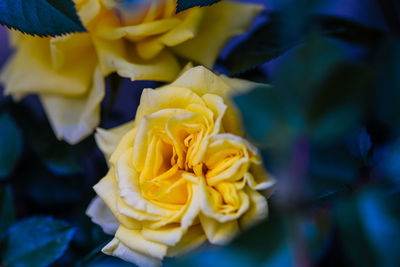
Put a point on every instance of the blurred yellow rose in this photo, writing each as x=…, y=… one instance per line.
x=68, y=72
x=180, y=173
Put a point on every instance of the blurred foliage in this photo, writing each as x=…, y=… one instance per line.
x=10, y=143
x=328, y=127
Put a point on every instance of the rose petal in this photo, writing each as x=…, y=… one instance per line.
x=219, y=233
x=108, y=191
x=74, y=118
x=101, y=215
x=118, y=249
x=221, y=22
x=134, y=240
x=108, y=140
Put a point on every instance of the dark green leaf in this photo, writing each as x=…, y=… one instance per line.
x=7, y=212
x=186, y=4
x=271, y=40
x=41, y=17
x=10, y=145
x=37, y=241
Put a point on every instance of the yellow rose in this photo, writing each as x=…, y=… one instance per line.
x=68, y=72
x=180, y=173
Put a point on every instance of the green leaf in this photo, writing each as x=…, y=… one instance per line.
x=270, y=40
x=186, y=4
x=10, y=145
x=37, y=241
x=41, y=17
x=7, y=212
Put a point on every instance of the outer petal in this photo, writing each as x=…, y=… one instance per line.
x=168, y=97
x=219, y=233
x=118, y=249
x=120, y=56
x=221, y=22
x=208, y=205
x=186, y=30
x=258, y=209
x=33, y=61
x=134, y=240
x=108, y=140
x=129, y=191
x=258, y=178
x=74, y=118
x=202, y=81
x=108, y=191
x=101, y=215
x=192, y=239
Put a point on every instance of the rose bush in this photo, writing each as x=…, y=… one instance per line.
x=181, y=173
x=68, y=72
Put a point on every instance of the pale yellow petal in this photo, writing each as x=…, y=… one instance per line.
x=221, y=22
x=120, y=56
x=259, y=179
x=70, y=49
x=108, y=140
x=219, y=233
x=186, y=30
x=117, y=249
x=101, y=215
x=88, y=10
x=168, y=97
x=74, y=118
x=186, y=217
x=217, y=105
x=134, y=240
x=258, y=209
x=193, y=238
x=33, y=61
x=169, y=235
x=210, y=208
x=108, y=191
x=149, y=48
x=129, y=190
x=202, y=81
x=125, y=143
x=148, y=125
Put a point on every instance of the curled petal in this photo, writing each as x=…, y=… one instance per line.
x=117, y=249
x=101, y=215
x=74, y=118
x=219, y=233
x=108, y=140
x=220, y=23
x=134, y=240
